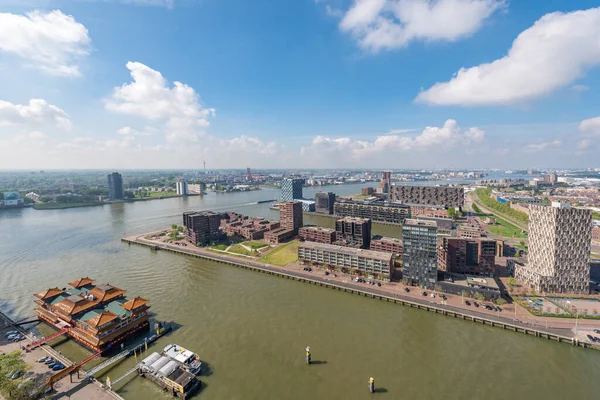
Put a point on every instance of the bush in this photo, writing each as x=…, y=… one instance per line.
x=500, y=301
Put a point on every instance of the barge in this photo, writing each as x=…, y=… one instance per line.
x=173, y=376
x=96, y=316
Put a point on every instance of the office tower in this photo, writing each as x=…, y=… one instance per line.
x=419, y=258
x=290, y=215
x=115, y=186
x=559, y=249
x=467, y=256
x=249, y=174
x=324, y=202
x=291, y=189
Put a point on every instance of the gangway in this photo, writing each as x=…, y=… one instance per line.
x=125, y=375
x=45, y=340
x=108, y=362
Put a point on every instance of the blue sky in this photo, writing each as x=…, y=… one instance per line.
x=303, y=83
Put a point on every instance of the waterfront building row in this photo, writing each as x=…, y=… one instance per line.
x=377, y=211
x=444, y=196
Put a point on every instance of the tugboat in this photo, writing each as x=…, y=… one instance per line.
x=188, y=359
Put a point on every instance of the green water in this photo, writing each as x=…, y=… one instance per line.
x=252, y=328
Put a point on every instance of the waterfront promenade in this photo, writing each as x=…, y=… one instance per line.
x=517, y=320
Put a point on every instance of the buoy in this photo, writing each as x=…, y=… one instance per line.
x=308, y=357
x=371, y=385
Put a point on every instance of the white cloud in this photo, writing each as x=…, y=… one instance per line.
x=129, y=131
x=150, y=96
x=159, y=3
x=390, y=24
x=551, y=54
x=590, y=127
x=579, y=88
x=37, y=113
x=432, y=139
x=542, y=146
x=50, y=41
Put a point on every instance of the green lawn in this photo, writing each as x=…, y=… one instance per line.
x=238, y=249
x=505, y=229
x=255, y=245
x=152, y=195
x=220, y=246
x=283, y=255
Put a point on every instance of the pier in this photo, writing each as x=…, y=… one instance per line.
x=555, y=334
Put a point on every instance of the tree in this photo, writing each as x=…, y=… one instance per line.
x=174, y=226
x=479, y=296
x=511, y=281
x=532, y=293
x=500, y=301
x=451, y=212
x=16, y=388
x=128, y=194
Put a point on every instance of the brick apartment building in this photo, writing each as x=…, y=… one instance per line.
x=317, y=234
x=377, y=211
x=444, y=196
x=387, y=245
x=290, y=221
x=249, y=228
x=203, y=227
x=353, y=232
x=324, y=202
x=467, y=256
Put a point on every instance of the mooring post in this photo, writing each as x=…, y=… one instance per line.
x=372, y=385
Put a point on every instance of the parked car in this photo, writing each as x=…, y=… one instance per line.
x=7, y=334
x=58, y=367
x=16, y=375
x=596, y=330
x=41, y=360
x=467, y=302
x=425, y=294
x=475, y=304
x=590, y=338
x=406, y=289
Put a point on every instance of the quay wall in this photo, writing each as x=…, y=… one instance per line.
x=498, y=323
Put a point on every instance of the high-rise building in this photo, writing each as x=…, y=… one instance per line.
x=324, y=202
x=182, y=188
x=353, y=232
x=467, y=256
x=249, y=177
x=428, y=195
x=290, y=215
x=419, y=258
x=291, y=189
x=386, y=181
x=203, y=227
x=115, y=186
x=559, y=249
x=196, y=188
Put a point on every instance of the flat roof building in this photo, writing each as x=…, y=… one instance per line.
x=349, y=260
x=317, y=234
x=387, y=245
x=203, y=227
x=324, y=202
x=419, y=260
x=467, y=256
x=115, y=186
x=377, y=211
x=290, y=215
x=445, y=196
x=353, y=232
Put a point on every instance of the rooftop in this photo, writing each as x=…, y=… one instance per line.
x=420, y=222
x=386, y=239
x=377, y=255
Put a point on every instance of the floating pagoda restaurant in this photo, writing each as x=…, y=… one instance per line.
x=96, y=316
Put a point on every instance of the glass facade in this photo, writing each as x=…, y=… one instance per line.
x=419, y=242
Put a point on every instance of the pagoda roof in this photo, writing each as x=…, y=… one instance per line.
x=134, y=303
x=47, y=294
x=105, y=292
x=102, y=318
x=74, y=304
x=81, y=282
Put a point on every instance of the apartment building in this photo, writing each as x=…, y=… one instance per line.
x=444, y=196
x=419, y=260
x=387, y=245
x=317, y=234
x=324, y=202
x=467, y=256
x=290, y=221
x=202, y=228
x=248, y=228
x=364, y=262
x=353, y=232
x=377, y=211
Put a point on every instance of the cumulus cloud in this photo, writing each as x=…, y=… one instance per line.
x=50, y=41
x=129, y=131
x=590, y=134
x=390, y=24
x=37, y=113
x=551, y=54
x=431, y=139
x=150, y=96
x=542, y=146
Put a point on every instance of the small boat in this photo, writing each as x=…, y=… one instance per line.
x=186, y=358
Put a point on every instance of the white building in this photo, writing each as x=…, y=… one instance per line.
x=182, y=188
x=194, y=188
x=11, y=199
x=559, y=249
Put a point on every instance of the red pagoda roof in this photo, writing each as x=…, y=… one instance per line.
x=49, y=293
x=134, y=303
x=81, y=282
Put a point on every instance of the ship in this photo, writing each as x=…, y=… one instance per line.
x=96, y=316
x=188, y=359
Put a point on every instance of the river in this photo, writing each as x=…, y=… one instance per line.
x=252, y=328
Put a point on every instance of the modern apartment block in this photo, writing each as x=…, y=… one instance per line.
x=428, y=195
x=387, y=245
x=559, y=249
x=386, y=181
x=353, y=232
x=115, y=186
x=324, y=202
x=203, y=227
x=596, y=233
x=196, y=188
x=290, y=221
x=377, y=211
x=291, y=189
x=419, y=244
x=469, y=232
x=317, y=234
x=467, y=256
x=248, y=228
x=349, y=260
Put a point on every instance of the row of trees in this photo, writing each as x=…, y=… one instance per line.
x=503, y=208
x=18, y=388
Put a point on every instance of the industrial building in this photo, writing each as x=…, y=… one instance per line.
x=559, y=249
x=182, y=188
x=348, y=260
x=377, y=211
x=419, y=260
x=444, y=196
x=467, y=256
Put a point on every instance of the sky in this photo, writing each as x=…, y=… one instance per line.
x=144, y=84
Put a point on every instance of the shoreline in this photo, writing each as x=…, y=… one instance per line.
x=64, y=206
x=561, y=335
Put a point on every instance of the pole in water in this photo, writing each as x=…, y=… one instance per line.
x=308, y=357
x=371, y=385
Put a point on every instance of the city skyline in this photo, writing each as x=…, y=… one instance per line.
x=317, y=83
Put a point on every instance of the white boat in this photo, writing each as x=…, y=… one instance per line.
x=188, y=359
